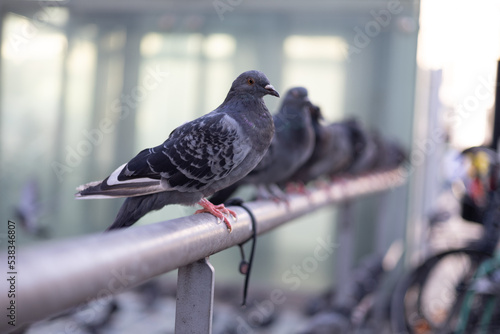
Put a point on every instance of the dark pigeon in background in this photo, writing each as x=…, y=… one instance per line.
x=198, y=158
x=390, y=154
x=364, y=149
x=292, y=145
x=343, y=153
x=332, y=152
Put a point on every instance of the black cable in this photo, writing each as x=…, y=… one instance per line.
x=245, y=267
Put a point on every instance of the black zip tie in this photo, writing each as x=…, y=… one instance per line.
x=245, y=266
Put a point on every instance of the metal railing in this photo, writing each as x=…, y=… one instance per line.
x=59, y=275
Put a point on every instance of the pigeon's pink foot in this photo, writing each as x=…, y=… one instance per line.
x=323, y=184
x=279, y=200
x=291, y=187
x=297, y=188
x=300, y=188
x=272, y=192
x=218, y=211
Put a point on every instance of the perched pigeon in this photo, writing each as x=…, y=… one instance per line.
x=390, y=154
x=332, y=150
x=198, y=158
x=364, y=147
x=343, y=153
x=292, y=145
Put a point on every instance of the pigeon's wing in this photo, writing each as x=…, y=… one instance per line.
x=195, y=155
x=201, y=153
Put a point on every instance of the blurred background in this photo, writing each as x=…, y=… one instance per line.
x=87, y=84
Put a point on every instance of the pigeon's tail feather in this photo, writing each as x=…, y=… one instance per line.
x=224, y=194
x=113, y=186
x=135, y=208
x=103, y=190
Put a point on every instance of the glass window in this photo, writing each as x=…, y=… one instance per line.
x=317, y=63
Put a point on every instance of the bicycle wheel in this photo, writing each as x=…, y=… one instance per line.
x=479, y=312
x=478, y=315
x=428, y=299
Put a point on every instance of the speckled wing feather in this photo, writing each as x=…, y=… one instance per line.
x=193, y=157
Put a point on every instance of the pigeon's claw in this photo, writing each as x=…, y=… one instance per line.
x=297, y=188
x=271, y=192
x=219, y=211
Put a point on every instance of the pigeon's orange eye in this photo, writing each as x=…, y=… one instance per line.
x=250, y=81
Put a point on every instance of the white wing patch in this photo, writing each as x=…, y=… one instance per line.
x=113, y=178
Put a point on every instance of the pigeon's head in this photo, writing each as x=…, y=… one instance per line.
x=297, y=95
x=255, y=83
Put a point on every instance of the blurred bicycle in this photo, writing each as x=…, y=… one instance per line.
x=451, y=275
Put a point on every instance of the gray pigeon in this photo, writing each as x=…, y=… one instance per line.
x=365, y=149
x=198, y=158
x=332, y=150
x=292, y=145
x=390, y=153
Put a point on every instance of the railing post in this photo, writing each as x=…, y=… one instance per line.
x=195, y=298
x=345, y=253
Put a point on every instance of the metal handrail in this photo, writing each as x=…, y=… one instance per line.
x=55, y=276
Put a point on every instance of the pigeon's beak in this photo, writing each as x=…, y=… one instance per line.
x=270, y=90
